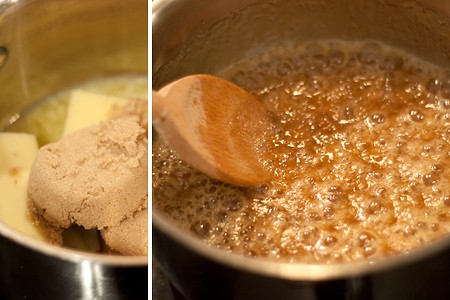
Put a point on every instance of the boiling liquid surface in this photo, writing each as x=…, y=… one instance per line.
x=360, y=153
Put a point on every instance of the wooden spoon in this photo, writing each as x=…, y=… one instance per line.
x=215, y=126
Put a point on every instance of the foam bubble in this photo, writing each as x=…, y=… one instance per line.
x=284, y=68
x=445, y=88
x=369, y=54
x=336, y=57
x=391, y=63
x=430, y=179
x=377, y=119
x=433, y=85
x=201, y=228
x=416, y=115
x=446, y=200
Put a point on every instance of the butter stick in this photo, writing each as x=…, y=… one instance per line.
x=17, y=152
x=86, y=109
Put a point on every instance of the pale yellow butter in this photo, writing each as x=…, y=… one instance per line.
x=86, y=109
x=17, y=152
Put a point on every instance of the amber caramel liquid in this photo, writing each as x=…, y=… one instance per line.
x=360, y=153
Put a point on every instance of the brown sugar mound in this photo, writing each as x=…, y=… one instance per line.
x=130, y=237
x=95, y=177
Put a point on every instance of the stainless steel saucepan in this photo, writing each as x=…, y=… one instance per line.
x=204, y=36
x=47, y=46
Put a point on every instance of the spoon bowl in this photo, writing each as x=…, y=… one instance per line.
x=215, y=126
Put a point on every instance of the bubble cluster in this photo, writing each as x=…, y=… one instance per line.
x=360, y=154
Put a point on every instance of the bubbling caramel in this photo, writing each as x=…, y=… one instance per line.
x=360, y=155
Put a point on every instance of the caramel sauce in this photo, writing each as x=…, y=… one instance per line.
x=360, y=156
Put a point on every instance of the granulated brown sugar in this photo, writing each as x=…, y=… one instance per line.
x=96, y=177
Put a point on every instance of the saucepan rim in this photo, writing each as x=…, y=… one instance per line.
x=68, y=254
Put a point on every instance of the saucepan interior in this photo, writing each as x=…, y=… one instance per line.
x=47, y=47
x=204, y=37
